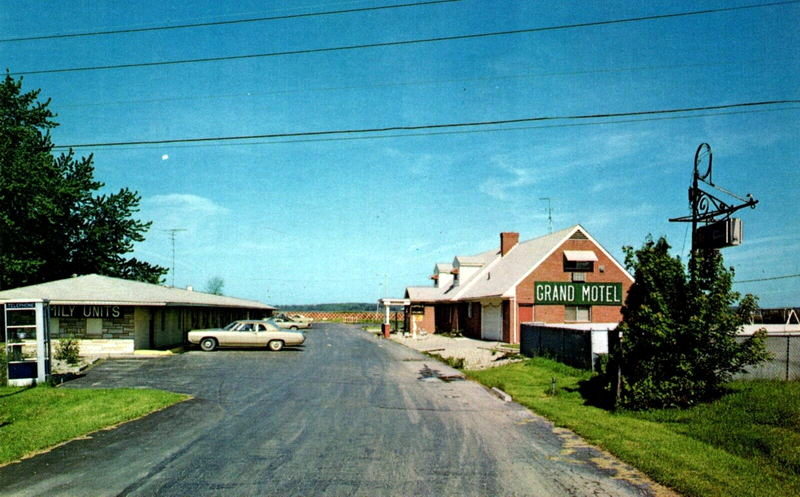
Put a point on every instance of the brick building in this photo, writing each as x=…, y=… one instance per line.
x=563, y=277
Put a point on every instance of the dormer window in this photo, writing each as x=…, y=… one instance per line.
x=579, y=261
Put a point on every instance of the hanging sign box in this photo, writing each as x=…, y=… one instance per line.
x=569, y=293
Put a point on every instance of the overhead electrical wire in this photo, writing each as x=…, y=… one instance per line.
x=456, y=132
x=454, y=125
x=773, y=278
x=221, y=23
x=405, y=42
x=426, y=82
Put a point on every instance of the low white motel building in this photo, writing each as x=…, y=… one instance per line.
x=117, y=316
x=565, y=277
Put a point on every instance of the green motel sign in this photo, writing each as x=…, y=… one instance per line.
x=568, y=293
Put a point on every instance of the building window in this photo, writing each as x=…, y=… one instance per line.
x=579, y=277
x=94, y=326
x=579, y=261
x=577, y=313
x=578, y=266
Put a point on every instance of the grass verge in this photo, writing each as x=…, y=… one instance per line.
x=745, y=444
x=35, y=419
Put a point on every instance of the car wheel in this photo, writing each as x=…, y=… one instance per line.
x=208, y=344
x=294, y=328
x=275, y=345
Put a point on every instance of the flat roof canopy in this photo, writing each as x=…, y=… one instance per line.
x=394, y=301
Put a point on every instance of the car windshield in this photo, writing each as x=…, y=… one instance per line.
x=230, y=326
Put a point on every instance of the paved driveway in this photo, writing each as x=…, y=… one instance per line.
x=349, y=414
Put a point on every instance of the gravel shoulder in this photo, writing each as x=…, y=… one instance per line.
x=477, y=354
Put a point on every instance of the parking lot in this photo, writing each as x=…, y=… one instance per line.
x=347, y=414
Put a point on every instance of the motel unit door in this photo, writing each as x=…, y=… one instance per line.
x=492, y=320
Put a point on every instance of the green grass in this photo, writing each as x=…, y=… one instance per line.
x=745, y=444
x=34, y=419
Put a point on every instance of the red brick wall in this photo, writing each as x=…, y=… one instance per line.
x=429, y=320
x=552, y=269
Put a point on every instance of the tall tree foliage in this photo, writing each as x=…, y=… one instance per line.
x=679, y=329
x=52, y=223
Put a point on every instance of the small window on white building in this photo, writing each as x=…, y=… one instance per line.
x=94, y=326
x=577, y=313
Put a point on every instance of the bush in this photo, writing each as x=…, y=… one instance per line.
x=679, y=329
x=68, y=350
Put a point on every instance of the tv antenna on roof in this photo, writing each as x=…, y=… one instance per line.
x=172, y=232
x=549, y=214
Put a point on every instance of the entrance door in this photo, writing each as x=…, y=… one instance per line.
x=492, y=321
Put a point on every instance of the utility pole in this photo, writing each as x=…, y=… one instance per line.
x=549, y=214
x=172, y=232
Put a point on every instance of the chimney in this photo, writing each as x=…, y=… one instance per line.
x=507, y=241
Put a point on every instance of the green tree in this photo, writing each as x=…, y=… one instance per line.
x=215, y=285
x=52, y=224
x=679, y=329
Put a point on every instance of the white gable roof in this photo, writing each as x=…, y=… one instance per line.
x=502, y=274
x=104, y=290
x=499, y=276
x=425, y=293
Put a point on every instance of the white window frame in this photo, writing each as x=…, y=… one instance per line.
x=577, y=317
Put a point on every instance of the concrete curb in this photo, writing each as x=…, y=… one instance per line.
x=501, y=394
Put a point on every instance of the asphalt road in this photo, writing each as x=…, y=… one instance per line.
x=349, y=414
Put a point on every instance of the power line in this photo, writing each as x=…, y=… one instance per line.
x=458, y=132
x=396, y=84
x=406, y=42
x=772, y=278
x=221, y=23
x=427, y=126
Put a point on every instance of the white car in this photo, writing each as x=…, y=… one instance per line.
x=288, y=323
x=246, y=333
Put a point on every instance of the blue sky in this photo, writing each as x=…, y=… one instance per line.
x=292, y=221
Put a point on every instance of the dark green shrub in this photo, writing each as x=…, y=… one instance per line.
x=679, y=329
x=68, y=350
